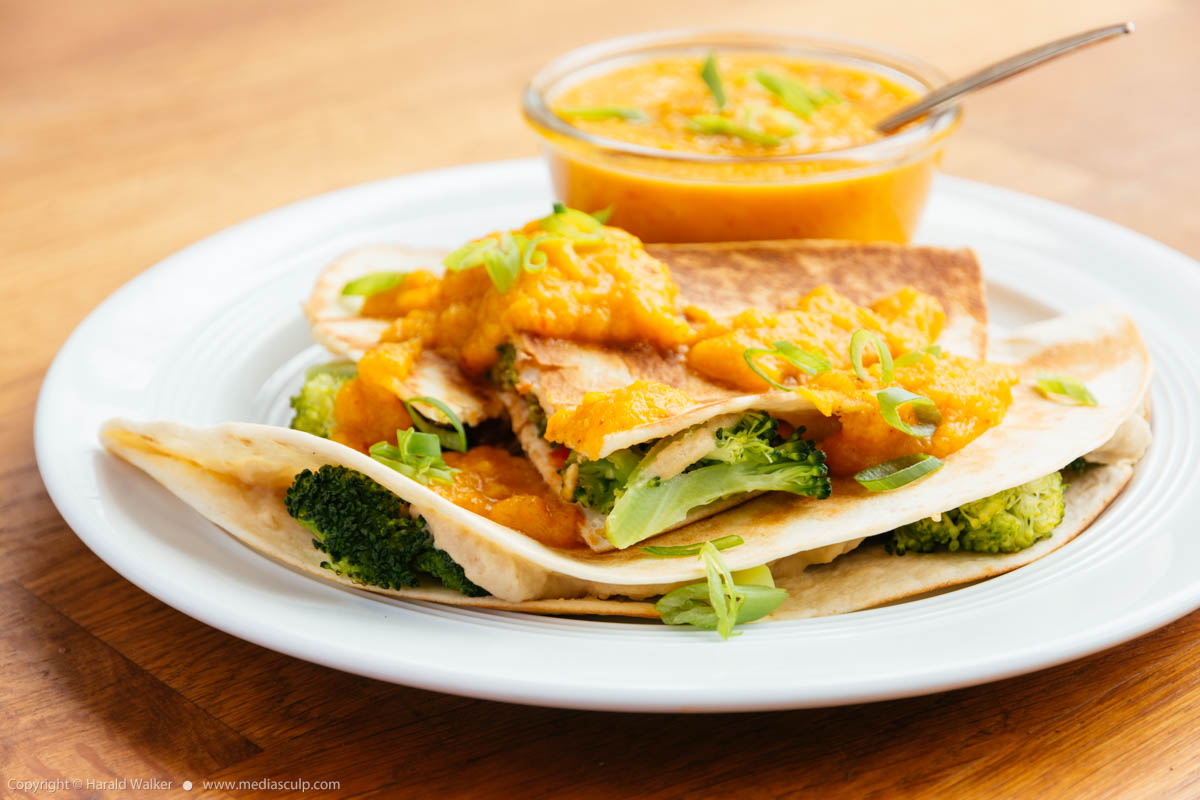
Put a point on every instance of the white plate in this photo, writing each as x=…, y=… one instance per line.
x=214, y=333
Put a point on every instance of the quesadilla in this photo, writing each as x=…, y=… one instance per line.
x=240, y=476
x=659, y=401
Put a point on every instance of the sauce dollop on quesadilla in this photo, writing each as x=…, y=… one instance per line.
x=569, y=277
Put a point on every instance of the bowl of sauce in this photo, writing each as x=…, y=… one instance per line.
x=692, y=136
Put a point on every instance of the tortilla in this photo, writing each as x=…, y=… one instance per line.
x=338, y=326
x=870, y=576
x=722, y=279
x=726, y=278
x=235, y=475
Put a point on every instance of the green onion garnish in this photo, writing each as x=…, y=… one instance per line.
x=503, y=263
x=909, y=359
x=452, y=438
x=580, y=228
x=504, y=257
x=796, y=97
x=858, y=342
x=718, y=603
x=712, y=78
x=602, y=216
x=689, y=605
x=468, y=256
x=603, y=112
x=1065, y=385
x=678, y=551
x=892, y=399
x=898, y=472
x=714, y=125
x=374, y=283
x=801, y=359
x=415, y=454
x=533, y=259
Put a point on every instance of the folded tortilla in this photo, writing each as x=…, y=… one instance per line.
x=723, y=279
x=236, y=475
x=336, y=324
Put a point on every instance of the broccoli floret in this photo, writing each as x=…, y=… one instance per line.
x=368, y=532
x=764, y=463
x=601, y=480
x=1006, y=522
x=440, y=565
x=314, y=403
x=504, y=374
x=749, y=439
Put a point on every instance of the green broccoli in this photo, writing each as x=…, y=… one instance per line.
x=504, y=374
x=368, y=532
x=749, y=439
x=748, y=456
x=1003, y=523
x=600, y=481
x=314, y=403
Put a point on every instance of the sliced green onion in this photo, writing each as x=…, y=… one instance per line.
x=415, y=454
x=533, y=259
x=603, y=215
x=677, y=551
x=898, y=472
x=714, y=125
x=723, y=594
x=754, y=576
x=796, y=97
x=454, y=438
x=503, y=263
x=503, y=258
x=603, y=112
x=580, y=228
x=892, y=399
x=1065, y=385
x=374, y=283
x=688, y=605
x=858, y=342
x=909, y=359
x=468, y=256
x=811, y=363
x=801, y=359
x=712, y=79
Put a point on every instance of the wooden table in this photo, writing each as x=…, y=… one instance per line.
x=130, y=129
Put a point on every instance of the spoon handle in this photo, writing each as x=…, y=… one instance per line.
x=998, y=72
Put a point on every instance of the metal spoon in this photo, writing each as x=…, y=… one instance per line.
x=998, y=72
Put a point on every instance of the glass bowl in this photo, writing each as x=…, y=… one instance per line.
x=869, y=192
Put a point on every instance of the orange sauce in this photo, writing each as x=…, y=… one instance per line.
x=607, y=292
x=670, y=94
x=508, y=489
x=610, y=291
x=821, y=322
x=584, y=427
x=971, y=395
x=860, y=197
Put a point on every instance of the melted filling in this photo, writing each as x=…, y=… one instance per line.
x=508, y=489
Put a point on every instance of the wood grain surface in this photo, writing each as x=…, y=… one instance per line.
x=130, y=129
